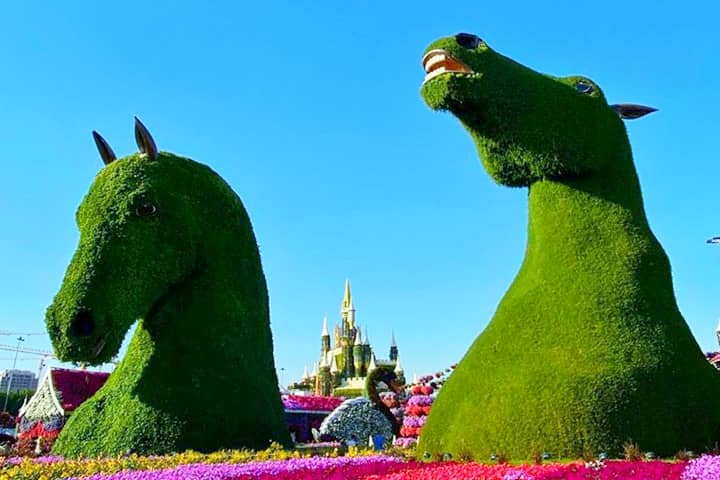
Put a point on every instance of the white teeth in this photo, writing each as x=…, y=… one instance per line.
x=437, y=62
x=434, y=60
x=435, y=73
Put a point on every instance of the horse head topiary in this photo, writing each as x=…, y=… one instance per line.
x=165, y=240
x=587, y=349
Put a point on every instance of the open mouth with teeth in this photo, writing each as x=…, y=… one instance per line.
x=438, y=62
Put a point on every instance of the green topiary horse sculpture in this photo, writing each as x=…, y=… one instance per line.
x=165, y=240
x=587, y=350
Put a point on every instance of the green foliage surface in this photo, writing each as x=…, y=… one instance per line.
x=199, y=370
x=587, y=350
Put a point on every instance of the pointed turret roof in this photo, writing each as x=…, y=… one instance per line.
x=372, y=365
x=305, y=374
x=323, y=362
x=325, y=332
x=333, y=366
x=347, y=298
x=718, y=327
x=392, y=340
x=358, y=337
x=398, y=367
x=367, y=337
x=315, y=370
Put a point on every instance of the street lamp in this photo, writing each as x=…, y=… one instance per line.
x=7, y=392
x=715, y=240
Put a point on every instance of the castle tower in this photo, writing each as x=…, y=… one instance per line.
x=393, y=348
x=315, y=376
x=325, y=378
x=349, y=367
x=336, y=337
x=399, y=372
x=358, y=356
x=347, y=310
x=367, y=351
x=335, y=373
x=324, y=338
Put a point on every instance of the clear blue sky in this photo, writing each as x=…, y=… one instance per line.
x=311, y=112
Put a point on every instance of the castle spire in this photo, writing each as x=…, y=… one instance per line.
x=398, y=367
x=372, y=365
x=334, y=366
x=347, y=298
x=324, y=338
x=393, y=348
x=305, y=374
x=347, y=311
x=367, y=337
x=358, y=338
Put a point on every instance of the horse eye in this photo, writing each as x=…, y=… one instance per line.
x=145, y=210
x=467, y=40
x=584, y=87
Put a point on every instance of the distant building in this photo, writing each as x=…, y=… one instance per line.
x=18, y=380
x=345, y=363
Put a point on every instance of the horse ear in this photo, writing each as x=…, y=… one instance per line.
x=144, y=140
x=630, y=111
x=106, y=153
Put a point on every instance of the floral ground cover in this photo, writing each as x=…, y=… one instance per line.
x=614, y=470
x=339, y=468
x=276, y=464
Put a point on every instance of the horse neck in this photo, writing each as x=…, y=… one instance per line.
x=576, y=216
x=223, y=298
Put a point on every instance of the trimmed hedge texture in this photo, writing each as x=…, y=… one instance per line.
x=587, y=350
x=167, y=241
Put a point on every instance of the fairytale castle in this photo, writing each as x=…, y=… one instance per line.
x=344, y=364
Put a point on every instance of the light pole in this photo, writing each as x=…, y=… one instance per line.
x=7, y=392
x=715, y=240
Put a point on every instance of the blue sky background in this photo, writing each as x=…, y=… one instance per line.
x=311, y=111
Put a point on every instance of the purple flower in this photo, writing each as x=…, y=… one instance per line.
x=707, y=467
x=340, y=468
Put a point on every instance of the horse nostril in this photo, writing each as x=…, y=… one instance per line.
x=83, y=324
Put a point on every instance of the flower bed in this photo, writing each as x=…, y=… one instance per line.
x=330, y=468
x=614, y=470
x=311, y=402
x=277, y=464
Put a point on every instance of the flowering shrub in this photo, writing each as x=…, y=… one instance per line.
x=311, y=402
x=416, y=410
x=391, y=400
x=707, y=467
